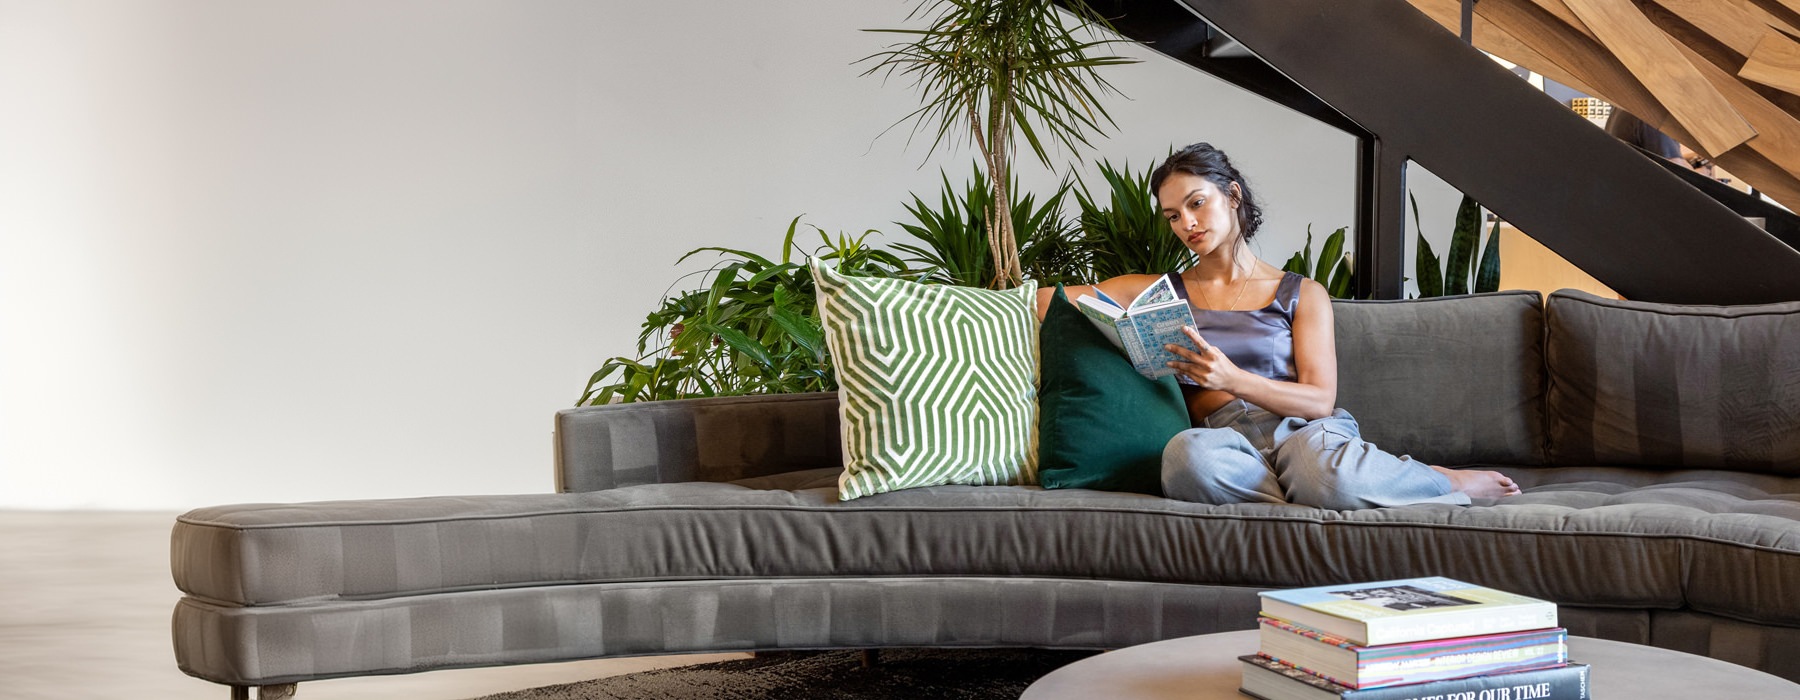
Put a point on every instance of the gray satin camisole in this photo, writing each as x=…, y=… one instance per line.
x=1261, y=341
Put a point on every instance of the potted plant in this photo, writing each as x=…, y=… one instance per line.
x=992, y=70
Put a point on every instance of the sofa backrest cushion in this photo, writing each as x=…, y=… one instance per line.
x=1449, y=380
x=1100, y=424
x=721, y=438
x=1673, y=386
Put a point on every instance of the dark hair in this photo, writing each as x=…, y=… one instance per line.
x=1203, y=160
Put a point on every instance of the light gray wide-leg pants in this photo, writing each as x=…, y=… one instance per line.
x=1248, y=455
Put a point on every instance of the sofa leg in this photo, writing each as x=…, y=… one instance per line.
x=870, y=657
x=285, y=691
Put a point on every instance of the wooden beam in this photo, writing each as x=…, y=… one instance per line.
x=1792, y=6
x=1767, y=177
x=1559, y=35
x=1495, y=41
x=1778, y=138
x=1562, y=13
x=1778, y=132
x=1775, y=62
x=1536, y=27
x=1580, y=55
x=1656, y=61
x=1718, y=54
x=1684, y=32
x=1725, y=21
x=1765, y=16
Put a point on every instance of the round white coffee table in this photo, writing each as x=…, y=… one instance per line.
x=1206, y=667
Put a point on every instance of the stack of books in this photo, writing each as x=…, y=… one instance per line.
x=1411, y=639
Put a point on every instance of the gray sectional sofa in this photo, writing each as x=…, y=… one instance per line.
x=1659, y=448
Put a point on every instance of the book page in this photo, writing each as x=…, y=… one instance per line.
x=1159, y=292
x=1103, y=297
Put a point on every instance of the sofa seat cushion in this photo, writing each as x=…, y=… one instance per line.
x=1731, y=550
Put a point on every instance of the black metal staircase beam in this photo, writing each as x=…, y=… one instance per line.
x=1398, y=75
x=1182, y=36
x=1380, y=262
x=1778, y=222
x=1380, y=226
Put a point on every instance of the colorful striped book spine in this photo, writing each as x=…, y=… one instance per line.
x=1358, y=666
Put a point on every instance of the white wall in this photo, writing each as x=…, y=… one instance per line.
x=288, y=250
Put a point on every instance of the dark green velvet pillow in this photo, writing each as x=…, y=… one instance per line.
x=1101, y=425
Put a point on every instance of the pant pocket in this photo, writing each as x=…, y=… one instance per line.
x=1340, y=424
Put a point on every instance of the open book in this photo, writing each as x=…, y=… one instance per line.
x=1142, y=328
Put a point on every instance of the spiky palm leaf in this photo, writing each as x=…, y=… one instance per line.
x=991, y=70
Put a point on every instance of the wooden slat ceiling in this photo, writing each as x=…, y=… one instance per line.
x=1720, y=76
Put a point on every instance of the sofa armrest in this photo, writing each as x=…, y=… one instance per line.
x=716, y=439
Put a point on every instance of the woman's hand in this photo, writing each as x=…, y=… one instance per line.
x=1209, y=368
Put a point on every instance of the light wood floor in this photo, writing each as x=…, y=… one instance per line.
x=85, y=599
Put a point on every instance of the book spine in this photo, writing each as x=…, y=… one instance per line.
x=1393, y=666
x=1564, y=683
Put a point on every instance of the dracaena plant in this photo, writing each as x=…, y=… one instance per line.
x=989, y=71
x=751, y=327
x=1123, y=228
x=954, y=235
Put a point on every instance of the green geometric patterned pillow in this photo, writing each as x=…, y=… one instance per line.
x=937, y=384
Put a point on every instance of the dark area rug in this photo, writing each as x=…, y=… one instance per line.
x=972, y=674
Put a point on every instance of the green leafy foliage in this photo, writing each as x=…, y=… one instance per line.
x=753, y=327
x=955, y=236
x=1462, y=247
x=1487, y=273
x=1332, y=268
x=991, y=70
x=1462, y=272
x=1056, y=253
x=1425, y=262
x=987, y=66
x=1128, y=235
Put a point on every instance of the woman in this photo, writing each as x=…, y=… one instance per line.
x=1262, y=389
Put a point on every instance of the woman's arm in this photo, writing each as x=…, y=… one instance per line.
x=1048, y=293
x=1314, y=392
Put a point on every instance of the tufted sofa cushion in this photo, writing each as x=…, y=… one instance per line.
x=1716, y=542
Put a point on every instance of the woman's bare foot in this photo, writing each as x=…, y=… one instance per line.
x=1480, y=484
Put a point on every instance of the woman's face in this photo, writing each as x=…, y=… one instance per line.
x=1203, y=216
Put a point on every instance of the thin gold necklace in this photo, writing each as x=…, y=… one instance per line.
x=1242, y=286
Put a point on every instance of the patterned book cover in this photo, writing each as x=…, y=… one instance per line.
x=1358, y=666
x=1408, y=610
x=1155, y=327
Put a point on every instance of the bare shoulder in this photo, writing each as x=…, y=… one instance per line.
x=1311, y=289
x=1314, y=300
